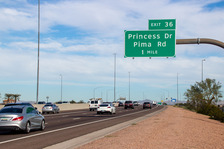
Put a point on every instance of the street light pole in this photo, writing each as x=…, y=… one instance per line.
x=129, y=85
x=61, y=87
x=47, y=98
x=114, y=76
x=94, y=91
x=168, y=93
x=202, y=69
x=38, y=54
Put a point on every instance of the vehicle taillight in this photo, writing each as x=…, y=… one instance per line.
x=108, y=107
x=18, y=118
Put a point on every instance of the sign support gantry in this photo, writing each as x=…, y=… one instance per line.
x=200, y=41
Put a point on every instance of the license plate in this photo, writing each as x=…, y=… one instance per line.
x=4, y=119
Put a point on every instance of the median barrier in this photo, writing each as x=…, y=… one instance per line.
x=63, y=107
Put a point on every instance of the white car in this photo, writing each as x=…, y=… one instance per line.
x=154, y=103
x=106, y=108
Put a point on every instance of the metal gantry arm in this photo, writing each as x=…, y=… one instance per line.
x=200, y=41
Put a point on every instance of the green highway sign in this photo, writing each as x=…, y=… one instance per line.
x=162, y=24
x=150, y=43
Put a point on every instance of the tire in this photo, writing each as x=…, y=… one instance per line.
x=42, y=127
x=98, y=113
x=27, y=129
x=43, y=112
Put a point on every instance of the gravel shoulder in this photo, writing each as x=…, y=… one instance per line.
x=173, y=128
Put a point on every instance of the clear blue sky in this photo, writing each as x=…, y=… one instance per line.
x=79, y=37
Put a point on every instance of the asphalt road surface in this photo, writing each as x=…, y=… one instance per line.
x=68, y=125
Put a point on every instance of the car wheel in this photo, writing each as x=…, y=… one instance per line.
x=28, y=127
x=43, y=112
x=42, y=127
x=97, y=112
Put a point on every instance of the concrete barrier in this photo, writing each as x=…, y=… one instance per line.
x=63, y=107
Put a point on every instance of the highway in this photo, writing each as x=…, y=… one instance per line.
x=68, y=125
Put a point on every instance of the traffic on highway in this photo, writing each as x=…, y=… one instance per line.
x=58, y=127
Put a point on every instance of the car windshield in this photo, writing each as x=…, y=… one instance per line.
x=11, y=110
x=104, y=105
x=128, y=101
x=16, y=104
x=146, y=103
x=48, y=105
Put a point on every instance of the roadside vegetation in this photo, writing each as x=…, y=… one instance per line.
x=202, y=96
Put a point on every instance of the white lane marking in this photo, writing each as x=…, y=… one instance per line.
x=74, y=126
x=63, y=113
x=75, y=118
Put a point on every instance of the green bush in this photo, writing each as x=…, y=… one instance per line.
x=186, y=106
x=204, y=109
x=216, y=113
x=72, y=102
x=211, y=110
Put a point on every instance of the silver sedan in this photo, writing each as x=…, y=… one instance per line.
x=50, y=108
x=20, y=117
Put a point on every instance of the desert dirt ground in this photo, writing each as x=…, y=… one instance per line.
x=174, y=128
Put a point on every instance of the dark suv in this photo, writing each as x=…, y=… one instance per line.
x=147, y=105
x=128, y=104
